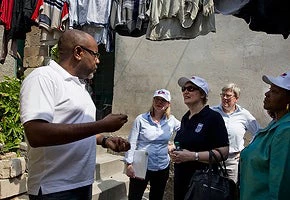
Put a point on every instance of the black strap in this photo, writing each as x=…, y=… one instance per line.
x=223, y=168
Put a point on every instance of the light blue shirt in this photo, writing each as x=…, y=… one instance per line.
x=237, y=123
x=152, y=137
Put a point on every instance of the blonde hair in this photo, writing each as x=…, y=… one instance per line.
x=232, y=87
x=167, y=111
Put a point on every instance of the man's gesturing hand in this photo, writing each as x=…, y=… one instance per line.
x=114, y=122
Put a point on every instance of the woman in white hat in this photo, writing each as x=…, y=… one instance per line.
x=201, y=130
x=265, y=163
x=151, y=132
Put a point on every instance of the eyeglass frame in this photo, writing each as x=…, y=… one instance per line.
x=93, y=53
x=193, y=88
x=226, y=96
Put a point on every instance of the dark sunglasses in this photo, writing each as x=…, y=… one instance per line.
x=189, y=88
x=93, y=53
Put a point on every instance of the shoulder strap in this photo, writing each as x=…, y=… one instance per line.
x=223, y=167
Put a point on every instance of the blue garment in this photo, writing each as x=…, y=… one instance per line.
x=265, y=163
x=152, y=137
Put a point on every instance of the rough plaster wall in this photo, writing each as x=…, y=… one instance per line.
x=232, y=54
x=6, y=69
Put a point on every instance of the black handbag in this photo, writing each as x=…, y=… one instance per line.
x=209, y=184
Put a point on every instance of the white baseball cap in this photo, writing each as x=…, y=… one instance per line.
x=199, y=82
x=282, y=81
x=165, y=94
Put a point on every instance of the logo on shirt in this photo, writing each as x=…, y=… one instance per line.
x=199, y=127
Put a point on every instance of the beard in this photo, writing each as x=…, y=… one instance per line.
x=91, y=76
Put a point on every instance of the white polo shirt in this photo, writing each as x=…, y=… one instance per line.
x=50, y=93
x=237, y=123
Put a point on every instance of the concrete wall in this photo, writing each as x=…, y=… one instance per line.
x=233, y=54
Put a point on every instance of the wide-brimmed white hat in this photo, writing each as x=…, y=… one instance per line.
x=198, y=81
x=282, y=81
x=165, y=94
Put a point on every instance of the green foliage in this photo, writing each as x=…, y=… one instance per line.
x=11, y=130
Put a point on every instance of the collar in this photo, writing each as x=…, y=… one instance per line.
x=238, y=109
x=274, y=124
x=203, y=112
x=62, y=72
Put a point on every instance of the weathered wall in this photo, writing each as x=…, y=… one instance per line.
x=232, y=54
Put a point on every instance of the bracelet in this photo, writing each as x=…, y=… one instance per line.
x=196, y=156
x=104, y=142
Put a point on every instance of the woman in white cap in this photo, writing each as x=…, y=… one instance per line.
x=201, y=130
x=151, y=132
x=265, y=162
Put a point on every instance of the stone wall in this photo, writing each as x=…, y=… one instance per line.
x=13, y=176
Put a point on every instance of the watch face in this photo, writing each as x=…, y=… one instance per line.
x=196, y=156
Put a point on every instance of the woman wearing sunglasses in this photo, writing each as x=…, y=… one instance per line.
x=151, y=132
x=201, y=130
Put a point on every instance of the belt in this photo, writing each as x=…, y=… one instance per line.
x=234, y=154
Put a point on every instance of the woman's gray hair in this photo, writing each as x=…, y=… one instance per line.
x=234, y=88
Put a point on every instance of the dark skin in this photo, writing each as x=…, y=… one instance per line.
x=78, y=63
x=276, y=100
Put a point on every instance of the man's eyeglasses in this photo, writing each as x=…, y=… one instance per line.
x=226, y=96
x=93, y=53
x=189, y=88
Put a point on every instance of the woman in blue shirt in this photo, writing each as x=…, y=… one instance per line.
x=151, y=132
x=265, y=163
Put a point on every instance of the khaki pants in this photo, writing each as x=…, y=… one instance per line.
x=232, y=164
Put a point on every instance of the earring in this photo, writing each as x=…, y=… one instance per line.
x=287, y=107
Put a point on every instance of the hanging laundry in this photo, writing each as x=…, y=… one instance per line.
x=129, y=18
x=229, y=7
x=184, y=19
x=270, y=16
x=52, y=19
x=15, y=16
x=93, y=18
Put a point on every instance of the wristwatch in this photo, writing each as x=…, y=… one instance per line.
x=104, y=142
x=196, y=156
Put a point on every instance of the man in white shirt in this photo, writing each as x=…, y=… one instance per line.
x=58, y=116
x=238, y=121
